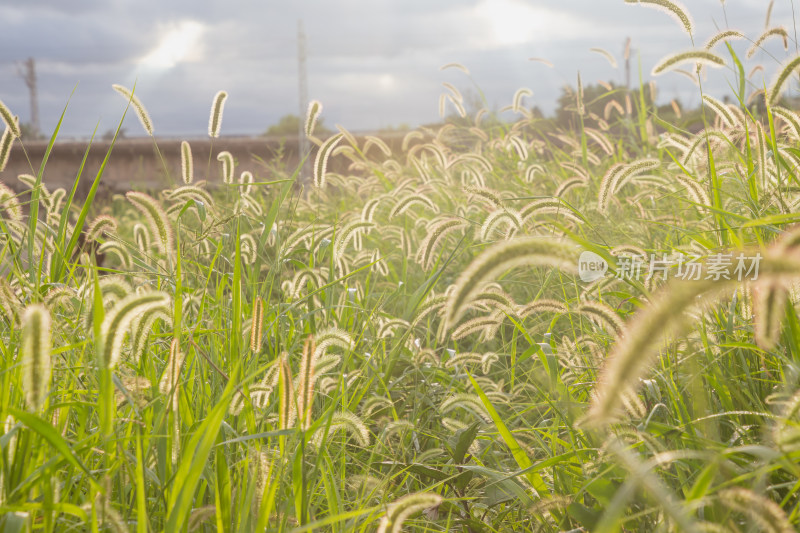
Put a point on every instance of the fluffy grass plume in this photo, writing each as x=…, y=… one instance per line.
x=631, y=356
x=246, y=182
x=467, y=401
x=787, y=69
x=518, y=96
x=579, y=97
x=455, y=92
x=790, y=117
x=371, y=141
x=769, y=307
x=411, y=200
x=672, y=8
x=617, y=176
x=542, y=60
x=287, y=412
x=533, y=251
x=142, y=326
x=696, y=192
x=35, y=348
x=346, y=234
x=187, y=165
x=331, y=337
x=767, y=514
x=226, y=159
x=100, y=225
x=118, y=320
x=321, y=160
x=486, y=325
x=6, y=140
x=9, y=120
x=778, y=31
x=312, y=114
x=168, y=386
x=347, y=422
x=606, y=54
x=725, y=35
x=457, y=66
x=157, y=220
x=722, y=111
x=141, y=112
x=215, y=118
x=437, y=232
x=700, y=57
x=257, y=325
x=305, y=384
x=10, y=202
x=603, y=315
x=400, y=510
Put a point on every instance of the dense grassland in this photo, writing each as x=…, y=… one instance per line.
x=408, y=344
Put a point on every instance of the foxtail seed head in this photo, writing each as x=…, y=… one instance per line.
x=767, y=514
x=725, y=35
x=8, y=198
x=497, y=259
x=226, y=159
x=314, y=110
x=257, y=325
x=778, y=31
x=518, y=96
x=118, y=320
x=215, y=119
x=6, y=141
x=157, y=219
x=141, y=112
x=169, y=380
x=305, y=384
x=286, y=407
x=399, y=511
x=35, y=351
x=699, y=57
x=606, y=54
x=187, y=165
x=348, y=422
x=672, y=8
x=780, y=80
x=101, y=224
x=11, y=122
x=321, y=161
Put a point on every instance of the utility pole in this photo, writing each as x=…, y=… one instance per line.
x=627, y=55
x=28, y=74
x=302, y=90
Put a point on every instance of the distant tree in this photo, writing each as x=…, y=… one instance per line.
x=401, y=128
x=29, y=133
x=109, y=134
x=289, y=125
x=595, y=99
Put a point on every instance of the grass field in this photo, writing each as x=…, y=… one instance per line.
x=415, y=344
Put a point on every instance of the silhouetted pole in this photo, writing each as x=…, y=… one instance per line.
x=28, y=74
x=302, y=89
x=627, y=55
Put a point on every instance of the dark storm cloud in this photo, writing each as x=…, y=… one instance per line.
x=372, y=64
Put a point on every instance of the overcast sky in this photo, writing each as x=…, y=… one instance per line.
x=372, y=63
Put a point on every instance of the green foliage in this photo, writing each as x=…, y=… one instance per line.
x=289, y=126
x=407, y=345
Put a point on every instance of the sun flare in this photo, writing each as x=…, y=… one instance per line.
x=177, y=44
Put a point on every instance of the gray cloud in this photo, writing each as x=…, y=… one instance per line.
x=372, y=64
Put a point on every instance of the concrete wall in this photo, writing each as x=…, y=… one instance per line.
x=135, y=163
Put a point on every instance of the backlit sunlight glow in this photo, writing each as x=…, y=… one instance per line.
x=512, y=22
x=177, y=44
